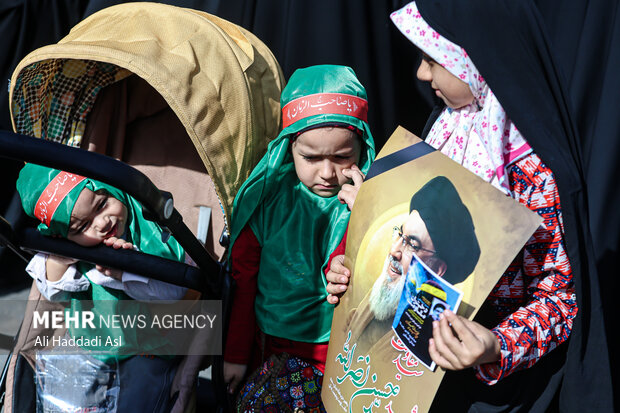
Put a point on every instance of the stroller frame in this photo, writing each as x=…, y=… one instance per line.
x=209, y=277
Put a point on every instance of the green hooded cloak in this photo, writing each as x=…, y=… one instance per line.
x=296, y=228
x=39, y=187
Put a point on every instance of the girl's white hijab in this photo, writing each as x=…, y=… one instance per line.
x=479, y=136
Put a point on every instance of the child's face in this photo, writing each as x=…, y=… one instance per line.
x=452, y=90
x=321, y=154
x=95, y=217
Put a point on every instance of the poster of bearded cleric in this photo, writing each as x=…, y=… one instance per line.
x=418, y=210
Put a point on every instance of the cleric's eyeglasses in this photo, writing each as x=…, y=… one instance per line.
x=410, y=245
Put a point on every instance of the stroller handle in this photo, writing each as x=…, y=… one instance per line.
x=157, y=204
x=136, y=262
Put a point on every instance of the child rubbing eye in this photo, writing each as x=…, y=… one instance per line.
x=286, y=219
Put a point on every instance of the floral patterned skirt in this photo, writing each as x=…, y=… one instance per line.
x=282, y=384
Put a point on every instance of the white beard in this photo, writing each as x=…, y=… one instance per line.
x=384, y=297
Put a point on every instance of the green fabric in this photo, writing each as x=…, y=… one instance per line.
x=144, y=234
x=296, y=228
x=32, y=181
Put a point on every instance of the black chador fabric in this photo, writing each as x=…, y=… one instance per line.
x=509, y=43
x=586, y=37
x=355, y=33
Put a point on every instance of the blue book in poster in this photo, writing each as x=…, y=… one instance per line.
x=425, y=296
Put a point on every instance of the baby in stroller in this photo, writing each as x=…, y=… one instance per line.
x=89, y=212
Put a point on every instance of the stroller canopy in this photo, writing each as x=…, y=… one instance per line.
x=221, y=81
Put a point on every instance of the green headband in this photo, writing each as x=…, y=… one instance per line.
x=324, y=94
x=50, y=195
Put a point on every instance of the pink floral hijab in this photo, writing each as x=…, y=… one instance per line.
x=479, y=136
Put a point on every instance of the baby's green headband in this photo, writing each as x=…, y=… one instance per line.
x=50, y=195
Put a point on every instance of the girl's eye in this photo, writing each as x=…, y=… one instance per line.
x=344, y=157
x=82, y=228
x=102, y=204
x=308, y=158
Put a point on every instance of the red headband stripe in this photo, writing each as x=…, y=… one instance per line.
x=324, y=103
x=53, y=194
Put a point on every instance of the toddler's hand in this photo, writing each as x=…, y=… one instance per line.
x=233, y=374
x=337, y=279
x=117, y=243
x=348, y=192
x=110, y=272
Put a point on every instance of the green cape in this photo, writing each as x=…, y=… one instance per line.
x=296, y=228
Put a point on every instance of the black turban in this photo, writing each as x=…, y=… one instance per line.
x=450, y=227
